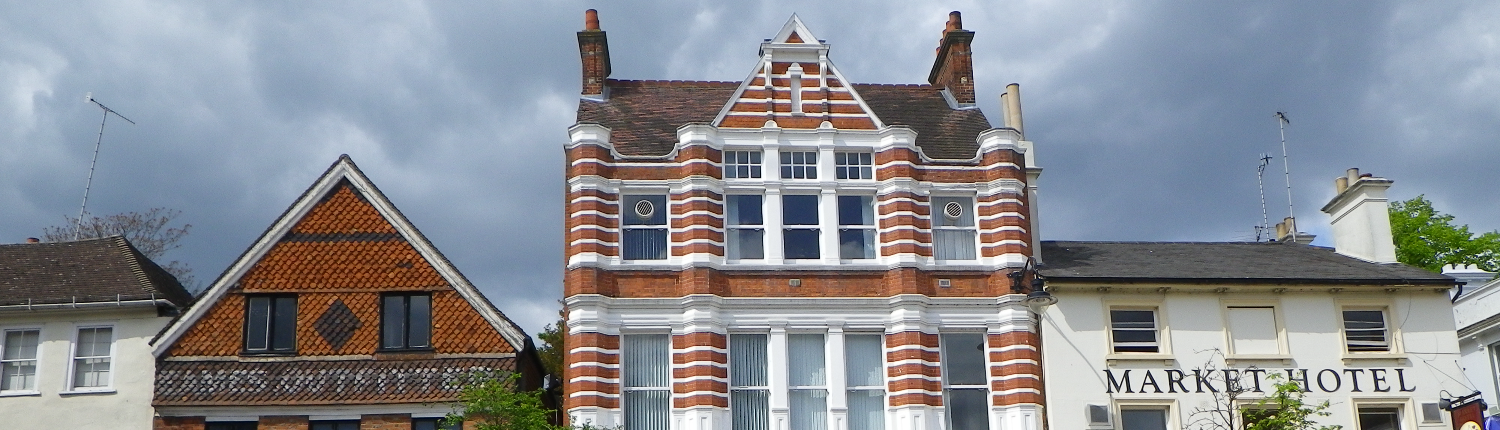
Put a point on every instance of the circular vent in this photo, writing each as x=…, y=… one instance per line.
x=953, y=210
x=644, y=208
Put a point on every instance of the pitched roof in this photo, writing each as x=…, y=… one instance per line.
x=352, y=234
x=234, y=383
x=94, y=270
x=1221, y=262
x=643, y=116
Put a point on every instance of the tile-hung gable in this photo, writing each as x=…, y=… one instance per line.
x=797, y=248
x=342, y=302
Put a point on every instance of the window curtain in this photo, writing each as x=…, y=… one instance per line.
x=749, y=398
x=807, y=379
x=864, y=372
x=646, y=368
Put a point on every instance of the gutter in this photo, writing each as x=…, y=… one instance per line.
x=153, y=302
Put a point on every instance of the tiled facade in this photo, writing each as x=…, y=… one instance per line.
x=342, y=254
x=943, y=199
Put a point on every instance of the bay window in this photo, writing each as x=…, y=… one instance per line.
x=799, y=219
x=856, y=227
x=741, y=164
x=644, y=226
x=853, y=165
x=646, y=367
x=953, y=228
x=745, y=227
x=799, y=164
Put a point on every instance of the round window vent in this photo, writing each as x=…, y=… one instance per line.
x=953, y=210
x=644, y=209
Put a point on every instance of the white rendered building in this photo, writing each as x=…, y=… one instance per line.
x=75, y=322
x=1476, y=313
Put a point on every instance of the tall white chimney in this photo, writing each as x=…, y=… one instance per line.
x=1361, y=218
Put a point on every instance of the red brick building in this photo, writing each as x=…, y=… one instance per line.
x=340, y=316
x=795, y=251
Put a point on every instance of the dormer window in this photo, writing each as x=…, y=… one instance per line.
x=799, y=165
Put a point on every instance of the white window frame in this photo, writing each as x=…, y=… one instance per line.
x=1166, y=405
x=1279, y=326
x=872, y=234
x=1392, y=332
x=851, y=389
x=625, y=388
x=743, y=388
x=944, y=363
x=732, y=226
x=816, y=227
x=73, y=358
x=754, y=170
x=789, y=169
x=936, y=212
x=862, y=165
x=627, y=209
x=825, y=387
x=1404, y=411
x=35, y=387
x=1157, y=326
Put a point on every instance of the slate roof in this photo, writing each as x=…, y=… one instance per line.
x=234, y=383
x=1221, y=262
x=94, y=270
x=643, y=116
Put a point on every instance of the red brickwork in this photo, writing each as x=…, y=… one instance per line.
x=884, y=283
x=177, y=423
x=591, y=356
x=924, y=372
x=385, y=422
x=283, y=423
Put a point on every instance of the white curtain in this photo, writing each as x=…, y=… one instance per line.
x=864, y=361
x=749, y=400
x=646, y=368
x=808, y=378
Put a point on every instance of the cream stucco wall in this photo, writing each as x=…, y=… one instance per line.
x=1192, y=328
x=126, y=406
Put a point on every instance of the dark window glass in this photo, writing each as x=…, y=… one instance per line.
x=645, y=220
x=1364, y=331
x=799, y=165
x=799, y=215
x=800, y=243
x=406, y=321
x=799, y=210
x=334, y=425
x=968, y=409
x=432, y=424
x=1379, y=419
x=964, y=359
x=1133, y=330
x=1143, y=419
x=746, y=235
x=271, y=324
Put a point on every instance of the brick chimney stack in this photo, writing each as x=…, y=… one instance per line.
x=593, y=49
x=954, y=68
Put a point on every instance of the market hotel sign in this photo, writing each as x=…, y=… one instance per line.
x=1144, y=381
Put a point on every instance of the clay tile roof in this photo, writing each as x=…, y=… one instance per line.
x=643, y=116
x=1222, y=262
x=94, y=270
x=233, y=383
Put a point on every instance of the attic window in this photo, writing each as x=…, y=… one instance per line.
x=271, y=324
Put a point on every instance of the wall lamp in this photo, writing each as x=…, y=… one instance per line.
x=1037, y=297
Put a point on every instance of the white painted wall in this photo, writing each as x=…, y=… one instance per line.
x=1479, y=334
x=126, y=406
x=1076, y=349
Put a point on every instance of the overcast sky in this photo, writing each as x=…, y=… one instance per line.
x=1149, y=117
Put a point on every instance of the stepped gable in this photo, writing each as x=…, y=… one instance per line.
x=338, y=248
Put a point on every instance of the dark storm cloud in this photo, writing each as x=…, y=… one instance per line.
x=1148, y=116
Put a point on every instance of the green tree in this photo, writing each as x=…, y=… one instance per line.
x=492, y=402
x=551, y=351
x=1285, y=409
x=1428, y=239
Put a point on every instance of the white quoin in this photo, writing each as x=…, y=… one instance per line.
x=1361, y=218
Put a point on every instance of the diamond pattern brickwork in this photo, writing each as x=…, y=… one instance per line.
x=342, y=253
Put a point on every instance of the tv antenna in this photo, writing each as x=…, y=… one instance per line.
x=83, y=208
x=1286, y=167
x=1265, y=219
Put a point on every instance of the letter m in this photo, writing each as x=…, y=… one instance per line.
x=1120, y=386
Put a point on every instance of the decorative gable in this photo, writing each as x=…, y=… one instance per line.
x=338, y=250
x=796, y=87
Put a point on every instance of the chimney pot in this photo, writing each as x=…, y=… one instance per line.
x=33, y=240
x=1340, y=184
x=953, y=69
x=591, y=19
x=955, y=21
